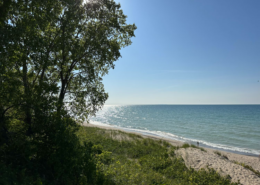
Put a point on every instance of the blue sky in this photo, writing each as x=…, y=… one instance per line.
x=189, y=52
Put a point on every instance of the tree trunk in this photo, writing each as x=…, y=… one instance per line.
x=28, y=115
x=4, y=139
x=61, y=97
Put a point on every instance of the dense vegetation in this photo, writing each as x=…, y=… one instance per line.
x=125, y=158
x=53, y=55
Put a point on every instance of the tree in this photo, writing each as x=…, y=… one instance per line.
x=53, y=55
x=60, y=50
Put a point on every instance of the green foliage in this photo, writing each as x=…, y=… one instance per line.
x=166, y=144
x=145, y=161
x=60, y=49
x=186, y=145
x=53, y=55
x=53, y=157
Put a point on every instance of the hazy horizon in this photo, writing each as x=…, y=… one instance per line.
x=176, y=104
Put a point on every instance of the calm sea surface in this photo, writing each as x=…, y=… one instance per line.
x=229, y=127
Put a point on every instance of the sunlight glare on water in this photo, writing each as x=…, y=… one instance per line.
x=230, y=127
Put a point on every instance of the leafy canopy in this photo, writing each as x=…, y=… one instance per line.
x=60, y=50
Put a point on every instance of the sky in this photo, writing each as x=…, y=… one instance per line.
x=189, y=52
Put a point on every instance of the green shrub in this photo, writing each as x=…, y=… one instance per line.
x=146, y=161
x=166, y=144
x=52, y=155
x=185, y=145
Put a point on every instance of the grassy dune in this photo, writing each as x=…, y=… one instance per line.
x=126, y=158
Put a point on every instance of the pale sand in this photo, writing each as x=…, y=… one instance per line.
x=197, y=159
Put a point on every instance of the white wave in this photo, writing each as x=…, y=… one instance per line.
x=99, y=123
x=166, y=135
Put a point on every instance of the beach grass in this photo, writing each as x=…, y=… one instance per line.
x=218, y=153
x=221, y=155
x=126, y=158
x=186, y=145
x=248, y=167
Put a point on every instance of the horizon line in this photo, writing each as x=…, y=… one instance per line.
x=182, y=104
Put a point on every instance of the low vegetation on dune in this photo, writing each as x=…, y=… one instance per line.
x=186, y=145
x=69, y=154
x=124, y=158
x=248, y=167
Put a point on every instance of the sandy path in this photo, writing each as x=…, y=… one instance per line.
x=198, y=159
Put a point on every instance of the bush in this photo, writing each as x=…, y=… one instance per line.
x=185, y=145
x=146, y=161
x=52, y=155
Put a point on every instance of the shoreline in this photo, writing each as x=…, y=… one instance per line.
x=172, y=141
x=224, y=162
x=168, y=139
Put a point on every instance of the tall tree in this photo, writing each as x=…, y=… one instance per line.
x=58, y=52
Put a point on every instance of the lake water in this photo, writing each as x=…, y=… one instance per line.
x=234, y=128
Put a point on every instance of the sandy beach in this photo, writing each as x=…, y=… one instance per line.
x=225, y=163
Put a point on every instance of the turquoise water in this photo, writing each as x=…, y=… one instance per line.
x=230, y=127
